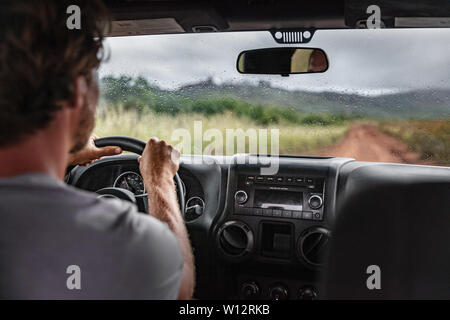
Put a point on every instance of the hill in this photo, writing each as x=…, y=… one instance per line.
x=138, y=93
x=417, y=104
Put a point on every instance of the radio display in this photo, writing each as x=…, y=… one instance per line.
x=278, y=199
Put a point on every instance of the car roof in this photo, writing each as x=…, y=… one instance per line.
x=135, y=17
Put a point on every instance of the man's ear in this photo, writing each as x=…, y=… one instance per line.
x=80, y=90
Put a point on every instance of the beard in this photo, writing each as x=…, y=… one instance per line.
x=84, y=130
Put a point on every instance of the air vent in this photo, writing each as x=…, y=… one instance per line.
x=235, y=239
x=313, y=245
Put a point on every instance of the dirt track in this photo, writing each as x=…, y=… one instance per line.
x=364, y=142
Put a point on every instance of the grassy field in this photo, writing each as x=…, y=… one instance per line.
x=293, y=138
x=430, y=138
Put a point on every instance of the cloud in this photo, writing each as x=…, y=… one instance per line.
x=371, y=62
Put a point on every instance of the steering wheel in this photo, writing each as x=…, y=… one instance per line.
x=136, y=146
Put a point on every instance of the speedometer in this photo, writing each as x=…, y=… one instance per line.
x=130, y=181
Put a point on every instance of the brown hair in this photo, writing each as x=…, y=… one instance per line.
x=40, y=59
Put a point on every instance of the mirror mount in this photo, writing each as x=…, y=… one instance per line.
x=287, y=36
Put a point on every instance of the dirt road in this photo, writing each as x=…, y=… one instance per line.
x=364, y=142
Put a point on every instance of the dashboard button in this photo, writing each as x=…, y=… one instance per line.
x=307, y=215
x=250, y=290
x=250, y=178
x=299, y=180
x=315, y=201
x=309, y=180
x=241, y=197
x=296, y=214
x=317, y=216
x=260, y=179
x=289, y=180
x=270, y=179
x=257, y=211
x=280, y=179
x=276, y=213
x=307, y=293
x=267, y=212
x=278, y=292
x=286, y=214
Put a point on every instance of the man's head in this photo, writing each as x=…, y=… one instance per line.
x=317, y=61
x=45, y=67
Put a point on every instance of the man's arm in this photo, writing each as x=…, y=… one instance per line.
x=158, y=165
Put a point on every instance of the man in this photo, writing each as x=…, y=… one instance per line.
x=57, y=241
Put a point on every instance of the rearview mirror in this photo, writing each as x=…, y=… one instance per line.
x=283, y=61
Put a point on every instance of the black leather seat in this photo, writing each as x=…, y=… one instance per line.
x=395, y=217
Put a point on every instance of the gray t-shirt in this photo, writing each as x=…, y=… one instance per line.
x=58, y=242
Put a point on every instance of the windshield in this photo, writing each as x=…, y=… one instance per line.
x=385, y=96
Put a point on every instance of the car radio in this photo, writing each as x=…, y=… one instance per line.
x=280, y=196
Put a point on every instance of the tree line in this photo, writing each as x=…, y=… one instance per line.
x=128, y=93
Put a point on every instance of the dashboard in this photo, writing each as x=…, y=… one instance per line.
x=255, y=236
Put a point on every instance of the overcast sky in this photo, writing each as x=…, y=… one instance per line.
x=364, y=61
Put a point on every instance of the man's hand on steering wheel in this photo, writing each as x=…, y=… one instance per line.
x=91, y=152
x=158, y=161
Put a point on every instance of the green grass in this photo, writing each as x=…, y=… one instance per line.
x=430, y=138
x=293, y=138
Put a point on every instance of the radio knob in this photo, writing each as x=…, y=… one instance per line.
x=250, y=290
x=278, y=292
x=315, y=202
x=241, y=197
x=307, y=293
